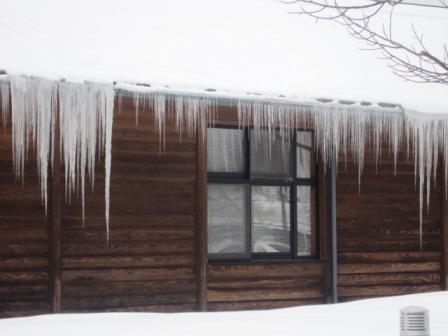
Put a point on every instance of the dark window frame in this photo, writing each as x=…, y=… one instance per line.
x=292, y=182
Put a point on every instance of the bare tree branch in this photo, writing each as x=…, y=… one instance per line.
x=412, y=62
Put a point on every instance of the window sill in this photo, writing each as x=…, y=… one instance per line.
x=273, y=261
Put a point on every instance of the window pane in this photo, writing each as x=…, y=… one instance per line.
x=270, y=219
x=225, y=150
x=226, y=218
x=270, y=154
x=304, y=220
x=304, y=148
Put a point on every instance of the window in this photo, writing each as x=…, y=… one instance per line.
x=261, y=194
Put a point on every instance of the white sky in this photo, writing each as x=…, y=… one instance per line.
x=249, y=45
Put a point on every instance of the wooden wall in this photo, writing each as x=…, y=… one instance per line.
x=378, y=231
x=24, y=240
x=266, y=285
x=151, y=261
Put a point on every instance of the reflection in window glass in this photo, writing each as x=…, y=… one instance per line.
x=270, y=219
x=304, y=147
x=226, y=219
x=225, y=150
x=304, y=138
x=304, y=220
x=270, y=154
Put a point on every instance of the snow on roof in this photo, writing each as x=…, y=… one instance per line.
x=230, y=45
x=256, y=96
x=371, y=317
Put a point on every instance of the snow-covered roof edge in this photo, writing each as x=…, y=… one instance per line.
x=255, y=96
x=86, y=119
x=234, y=95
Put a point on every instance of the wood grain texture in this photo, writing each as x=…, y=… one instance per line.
x=444, y=239
x=149, y=263
x=156, y=257
x=56, y=218
x=253, y=286
x=324, y=236
x=201, y=218
x=24, y=240
x=378, y=231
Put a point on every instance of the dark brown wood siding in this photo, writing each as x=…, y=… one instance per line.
x=151, y=262
x=378, y=230
x=148, y=263
x=24, y=239
x=265, y=285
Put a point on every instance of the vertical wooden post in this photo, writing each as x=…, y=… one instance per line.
x=55, y=249
x=334, y=241
x=444, y=242
x=201, y=217
x=443, y=230
x=325, y=229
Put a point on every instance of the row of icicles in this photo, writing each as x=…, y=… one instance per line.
x=86, y=122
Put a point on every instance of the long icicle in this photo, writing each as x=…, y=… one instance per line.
x=338, y=128
x=87, y=118
x=4, y=100
x=33, y=109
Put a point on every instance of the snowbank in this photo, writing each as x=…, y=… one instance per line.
x=367, y=318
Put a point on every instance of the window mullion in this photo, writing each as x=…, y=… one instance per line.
x=259, y=188
x=249, y=221
x=247, y=158
x=248, y=195
x=294, y=195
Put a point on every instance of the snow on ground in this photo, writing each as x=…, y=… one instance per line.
x=372, y=317
x=250, y=45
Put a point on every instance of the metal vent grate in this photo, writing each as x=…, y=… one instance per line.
x=414, y=321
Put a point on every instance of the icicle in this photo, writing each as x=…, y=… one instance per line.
x=340, y=129
x=33, y=106
x=159, y=118
x=136, y=100
x=120, y=103
x=4, y=99
x=86, y=117
x=108, y=97
x=188, y=111
x=421, y=173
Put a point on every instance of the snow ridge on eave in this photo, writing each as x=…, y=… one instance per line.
x=226, y=97
x=232, y=96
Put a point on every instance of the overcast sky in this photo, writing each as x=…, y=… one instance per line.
x=244, y=45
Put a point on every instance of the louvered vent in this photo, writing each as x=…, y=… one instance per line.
x=414, y=321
